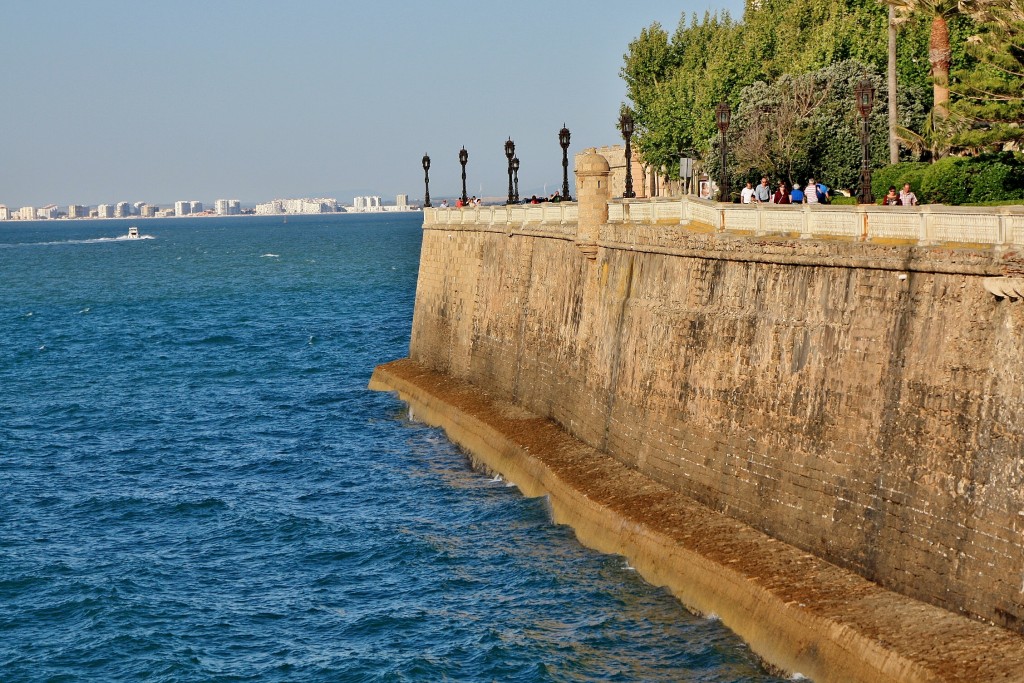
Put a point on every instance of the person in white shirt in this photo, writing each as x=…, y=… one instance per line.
x=747, y=194
x=907, y=196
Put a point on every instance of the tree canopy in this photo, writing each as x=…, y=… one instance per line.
x=787, y=69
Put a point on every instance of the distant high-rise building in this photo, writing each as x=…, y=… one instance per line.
x=182, y=208
x=366, y=203
x=195, y=207
x=227, y=207
x=147, y=210
x=25, y=213
x=49, y=211
x=402, y=201
x=105, y=211
x=305, y=205
x=78, y=211
x=5, y=213
x=122, y=210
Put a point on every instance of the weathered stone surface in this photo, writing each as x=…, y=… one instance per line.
x=862, y=402
x=797, y=611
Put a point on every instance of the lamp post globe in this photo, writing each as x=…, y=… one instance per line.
x=626, y=128
x=563, y=141
x=463, y=158
x=723, y=116
x=515, y=175
x=864, y=94
x=426, y=181
x=510, y=151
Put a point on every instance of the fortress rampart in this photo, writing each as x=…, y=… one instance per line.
x=847, y=380
x=860, y=400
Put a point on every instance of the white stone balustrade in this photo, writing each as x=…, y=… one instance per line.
x=930, y=224
x=515, y=214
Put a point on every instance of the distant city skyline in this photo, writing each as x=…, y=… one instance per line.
x=148, y=101
x=193, y=207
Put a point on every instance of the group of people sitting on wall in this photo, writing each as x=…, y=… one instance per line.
x=554, y=197
x=472, y=201
x=475, y=201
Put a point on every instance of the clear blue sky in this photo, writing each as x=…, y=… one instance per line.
x=109, y=101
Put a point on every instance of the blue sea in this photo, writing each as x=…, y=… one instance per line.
x=196, y=485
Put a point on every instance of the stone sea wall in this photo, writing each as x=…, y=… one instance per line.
x=860, y=401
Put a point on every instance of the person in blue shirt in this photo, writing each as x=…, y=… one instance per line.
x=796, y=195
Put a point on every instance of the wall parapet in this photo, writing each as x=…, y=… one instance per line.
x=547, y=213
x=929, y=224
x=924, y=225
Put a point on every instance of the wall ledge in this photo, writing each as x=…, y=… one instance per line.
x=795, y=610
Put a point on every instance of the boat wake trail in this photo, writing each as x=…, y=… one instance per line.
x=96, y=240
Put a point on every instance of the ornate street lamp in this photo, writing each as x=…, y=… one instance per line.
x=722, y=117
x=426, y=181
x=865, y=94
x=463, y=158
x=510, y=151
x=563, y=140
x=515, y=176
x=626, y=126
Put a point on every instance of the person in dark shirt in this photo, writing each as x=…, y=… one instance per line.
x=781, y=195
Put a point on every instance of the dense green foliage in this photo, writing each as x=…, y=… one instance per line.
x=990, y=109
x=896, y=175
x=986, y=178
x=805, y=125
x=674, y=82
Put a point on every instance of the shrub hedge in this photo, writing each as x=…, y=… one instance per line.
x=958, y=180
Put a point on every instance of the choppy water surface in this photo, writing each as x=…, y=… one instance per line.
x=195, y=484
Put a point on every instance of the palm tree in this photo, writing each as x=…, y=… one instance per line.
x=894, y=142
x=938, y=45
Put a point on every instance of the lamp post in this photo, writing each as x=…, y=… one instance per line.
x=426, y=181
x=626, y=126
x=865, y=94
x=515, y=176
x=722, y=117
x=463, y=158
x=510, y=151
x=563, y=140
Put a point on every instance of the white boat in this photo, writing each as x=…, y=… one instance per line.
x=133, y=232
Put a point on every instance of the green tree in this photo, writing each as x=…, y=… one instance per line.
x=674, y=82
x=989, y=111
x=940, y=54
